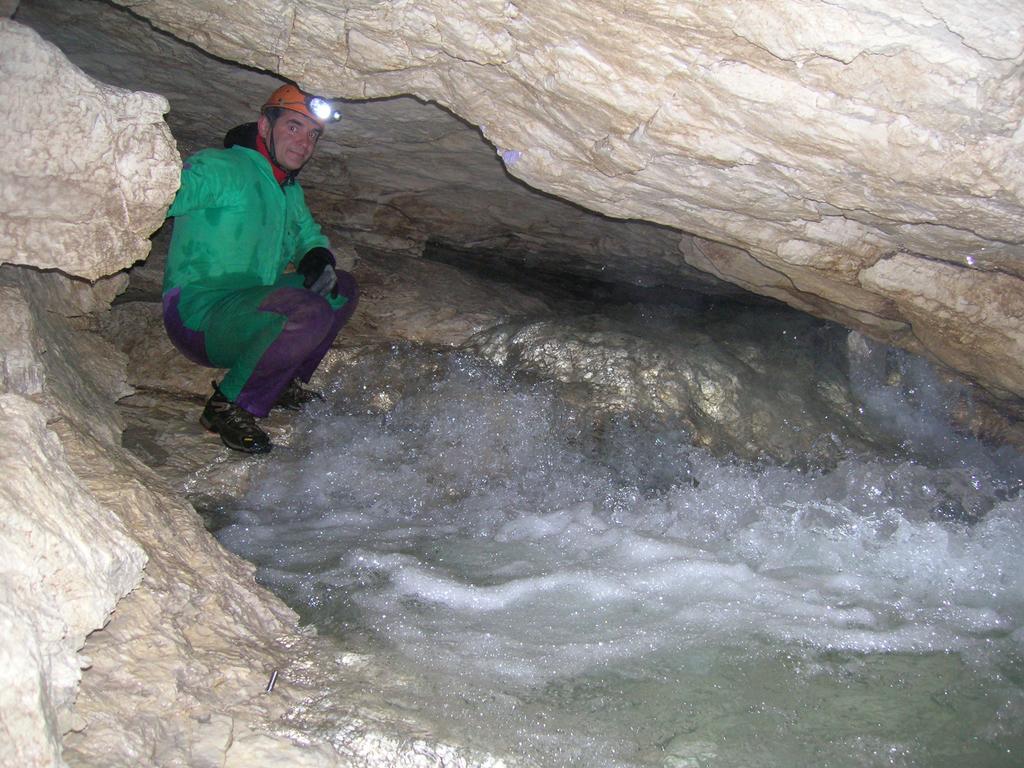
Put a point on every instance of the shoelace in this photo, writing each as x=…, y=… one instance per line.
x=234, y=415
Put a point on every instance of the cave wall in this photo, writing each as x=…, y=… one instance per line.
x=844, y=158
x=68, y=558
x=391, y=176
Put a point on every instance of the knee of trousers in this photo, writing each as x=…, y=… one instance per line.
x=308, y=319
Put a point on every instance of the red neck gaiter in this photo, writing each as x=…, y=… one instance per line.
x=279, y=173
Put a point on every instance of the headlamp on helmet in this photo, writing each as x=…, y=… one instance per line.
x=289, y=96
x=322, y=109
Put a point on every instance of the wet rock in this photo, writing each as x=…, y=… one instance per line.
x=21, y=348
x=758, y=396
x=409, y=299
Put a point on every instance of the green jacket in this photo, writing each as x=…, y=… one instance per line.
x=235, y=227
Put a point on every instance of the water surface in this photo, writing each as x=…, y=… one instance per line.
x=625, y=599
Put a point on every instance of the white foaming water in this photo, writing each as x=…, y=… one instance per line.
x=635, y=601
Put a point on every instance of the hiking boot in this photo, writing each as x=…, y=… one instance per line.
x=235, y=425
x=295, y=396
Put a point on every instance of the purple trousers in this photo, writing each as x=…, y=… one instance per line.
x=265, y=336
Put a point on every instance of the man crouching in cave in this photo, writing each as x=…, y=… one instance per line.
x=240, y=218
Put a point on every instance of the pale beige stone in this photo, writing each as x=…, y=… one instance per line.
x=77, y=299
x=90, y=168
x=67, y=560
x=21, y=349
x=79, y=374
x=967, y=319
x=248, y=749
x=407, y=299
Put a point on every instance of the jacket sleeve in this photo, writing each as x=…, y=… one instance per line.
x=203, y=185
x=303, y=228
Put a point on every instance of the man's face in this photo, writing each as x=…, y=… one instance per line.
x=295, y=138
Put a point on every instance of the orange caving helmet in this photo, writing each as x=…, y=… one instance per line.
x=288, y=96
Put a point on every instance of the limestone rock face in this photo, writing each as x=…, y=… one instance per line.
x=406, y=299
x=90, y=168
x=20, y=347
x=77, y=522
x=67, y=560
x=805, y=141
x=971, y=321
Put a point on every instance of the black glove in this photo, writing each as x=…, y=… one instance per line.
x=317, y=270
